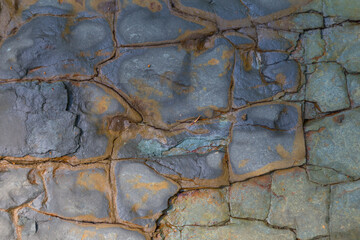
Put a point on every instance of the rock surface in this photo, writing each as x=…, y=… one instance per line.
x=179, y=119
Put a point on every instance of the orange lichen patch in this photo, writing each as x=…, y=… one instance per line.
x=102, y=53
x=280, y=79
x=101, y=105
x=138, y=205
x=247, y=59
x=144, y=90
x=243, y=163
x=154, y=187
x=93, y=181
x=282, y=152
x=152, y=5
x=85, y=54
x=213, y=62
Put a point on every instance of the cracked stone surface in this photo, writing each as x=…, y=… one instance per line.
x=179, y=119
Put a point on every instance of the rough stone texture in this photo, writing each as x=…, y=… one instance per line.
x=326, y=86
x=18, y=186
x=141, y=193
x=35, y=226
x=7, y=229
x=266, y=137
x=165, y=119
x=323, y=175
x=35, y=120
x=251, y=199
x=299, y=204
x=345, y=211
x=332, y=142
x=342, y=46
x=81, y=194
x=63, y=49
x=206, y=207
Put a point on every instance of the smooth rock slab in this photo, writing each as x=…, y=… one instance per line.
x=238, y=230
x=142, y=194
x=7, y=228
x=204, y=207
x=82, y=194
x=50, y=46
x=326, y=86
x=342, y=46
x=266, y=137
x=35, y=226
x=168, y=85
x=18, y=186
x=332, y=142
x=299, y=204
x=150, y=21
x=345, y=211
x=251, y=199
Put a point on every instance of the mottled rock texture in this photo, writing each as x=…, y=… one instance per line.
x=179, y=119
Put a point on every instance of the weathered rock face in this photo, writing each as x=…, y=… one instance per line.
x=179, y=119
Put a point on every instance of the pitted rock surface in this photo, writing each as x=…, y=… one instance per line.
x=179, y=119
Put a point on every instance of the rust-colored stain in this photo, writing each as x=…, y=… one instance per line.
x=152, y=5
x=101, y=104
x=243, y=163
x=282, y=152
x=154, y=187
x=93, y=181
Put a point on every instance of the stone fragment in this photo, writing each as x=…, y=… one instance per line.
x=133, y=25
x=299, y=204
x=314, y=46
x=345, y=9
x=47, y=46
x=266, y=137
x=193, y=169
x=7, y=228
x=81, y=194
x=254, y=80
x=18, y=186
x=326, y=86
x=238, y=229
x=251, y=199
x=332, y=142
x=204, y=207
x=353, y=86
x=95, y=106
x=345, y=211
x=36, y=226
x=142, y=194
x=342, y=45
x=325, y=176
x=168, y=85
